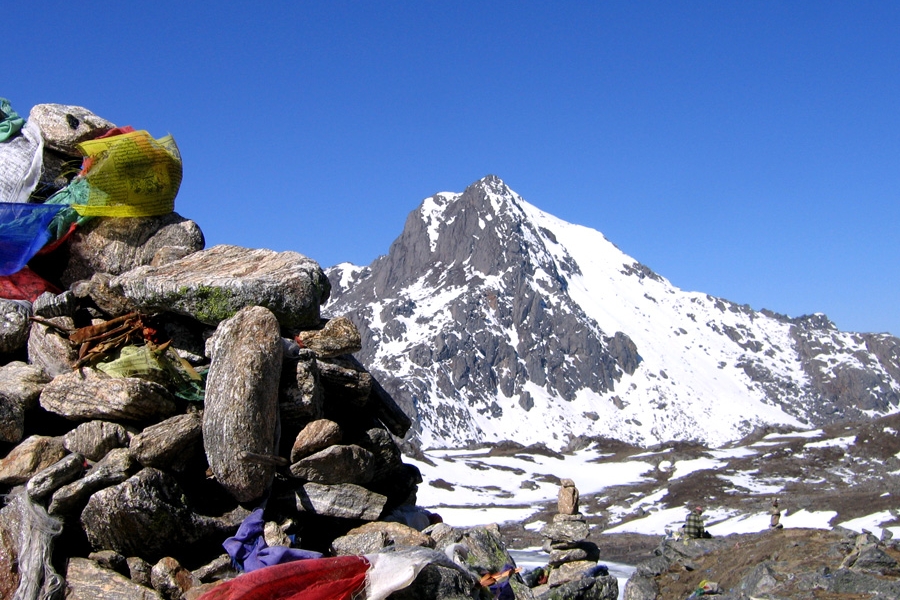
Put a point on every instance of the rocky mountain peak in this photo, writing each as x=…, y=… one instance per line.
x=488, y=315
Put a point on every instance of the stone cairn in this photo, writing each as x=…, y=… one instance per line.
x=169, y=390
x=573, y=568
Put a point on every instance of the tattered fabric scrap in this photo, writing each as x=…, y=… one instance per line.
x=25, y=285
x=368, y=577
x=336, y=578
x=248, y=549
x=21, y=160
x=23, y=231
x=10, y=121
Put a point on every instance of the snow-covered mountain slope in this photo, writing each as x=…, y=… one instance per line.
x=489, y=319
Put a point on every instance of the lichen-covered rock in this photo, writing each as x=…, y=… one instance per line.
x=241, y=406
x=213, y=285
x=118, y=245
x=485, y=548
x=88, y=394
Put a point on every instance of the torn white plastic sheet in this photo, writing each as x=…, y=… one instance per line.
x=21, y=160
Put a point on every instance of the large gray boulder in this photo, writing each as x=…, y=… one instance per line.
x=117, y=245
x=144, y=516
x=213, y=285
x=241, y=406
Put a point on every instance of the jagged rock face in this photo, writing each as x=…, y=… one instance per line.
x=488, y=317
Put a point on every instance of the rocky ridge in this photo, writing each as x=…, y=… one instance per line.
x=487, y=315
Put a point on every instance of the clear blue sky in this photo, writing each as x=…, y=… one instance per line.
x=750, y=150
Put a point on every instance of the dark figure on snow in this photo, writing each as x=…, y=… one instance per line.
x=693, y=524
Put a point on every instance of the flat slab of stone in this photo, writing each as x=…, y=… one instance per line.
x=344, y=500
x=214, y=284
x=86, y=580
x=87, y=395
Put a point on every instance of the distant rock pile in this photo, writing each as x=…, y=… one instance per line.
x=167, y=391
x=573, y=570
x=793, y=564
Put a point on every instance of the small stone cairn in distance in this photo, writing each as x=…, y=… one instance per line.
x=573, y=566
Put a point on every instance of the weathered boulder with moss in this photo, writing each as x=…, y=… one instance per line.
x=213, y=285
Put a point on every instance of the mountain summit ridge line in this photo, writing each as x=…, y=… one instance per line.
x=489, y=319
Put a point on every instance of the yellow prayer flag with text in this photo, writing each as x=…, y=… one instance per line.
x=131, y=175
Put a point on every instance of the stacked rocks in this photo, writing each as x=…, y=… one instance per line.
x=574, y=572
x=228, y=392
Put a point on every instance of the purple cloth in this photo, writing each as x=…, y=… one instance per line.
x=502, y=590
x=249, y=551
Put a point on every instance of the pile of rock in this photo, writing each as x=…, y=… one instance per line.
x=791, y=563
x=168, y=391
x=573, y=570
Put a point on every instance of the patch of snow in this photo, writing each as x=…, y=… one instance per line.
x=801, y=434
x=749, y=482
x=482, y=515
x=686, y=467
x=873, y=523
x=841, y=442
